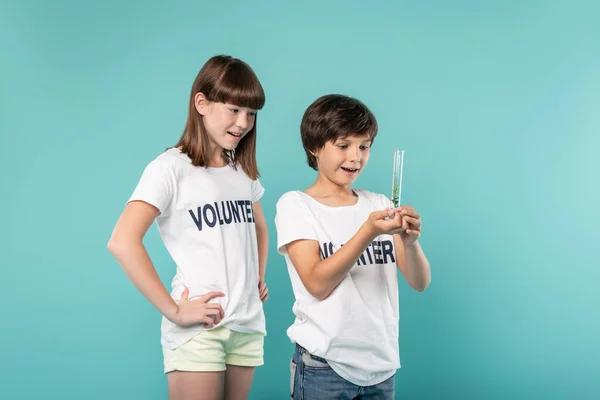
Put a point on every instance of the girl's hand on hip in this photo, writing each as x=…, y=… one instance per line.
x=198, y=311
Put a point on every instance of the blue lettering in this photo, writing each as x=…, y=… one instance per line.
x=368, y=253
x=218, y=214
x=197, y=221
x=249, y=213
x=388, y=250
x=223, y=213
x=235, y=211
x=241, y=204
x=214, y=216
x=377, y=252
x=227, y=217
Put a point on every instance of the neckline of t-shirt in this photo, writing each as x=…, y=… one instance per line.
x=181, y=155
x=333, y=208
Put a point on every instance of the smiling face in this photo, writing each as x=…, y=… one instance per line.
x=337, y=132
x=341, y=161
x=215, y=126
x=226, y=124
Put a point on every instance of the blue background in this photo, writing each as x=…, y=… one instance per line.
x=495, y=103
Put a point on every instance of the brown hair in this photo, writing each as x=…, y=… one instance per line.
x=331, y=117
x=223, y=79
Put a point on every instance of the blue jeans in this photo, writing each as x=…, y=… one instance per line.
x=313, y=379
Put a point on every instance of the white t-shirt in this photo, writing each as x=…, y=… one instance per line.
x=207, y=224
x=356, y=328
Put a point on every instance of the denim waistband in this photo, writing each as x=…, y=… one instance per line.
x=301, y=350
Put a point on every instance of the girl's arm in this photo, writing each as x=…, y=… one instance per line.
x=262, y=237
x=126, y=246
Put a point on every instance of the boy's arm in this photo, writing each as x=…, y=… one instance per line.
x=409, y=255
x=321, y=277
x=413, y=264
x=262, y=237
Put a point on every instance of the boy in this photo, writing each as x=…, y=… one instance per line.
x=342, y=247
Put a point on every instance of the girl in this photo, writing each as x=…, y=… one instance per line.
x=204, y=194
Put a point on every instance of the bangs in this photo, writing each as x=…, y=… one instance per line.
x=356, y=123
x=368, y=131
x=238, y=85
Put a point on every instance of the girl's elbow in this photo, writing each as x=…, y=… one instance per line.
x=113, y=246
x=117, y=245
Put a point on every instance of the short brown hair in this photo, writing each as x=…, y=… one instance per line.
x=223, y=79
x=333, y=116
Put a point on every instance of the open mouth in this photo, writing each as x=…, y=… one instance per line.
x=351, y=170
x=237, y=135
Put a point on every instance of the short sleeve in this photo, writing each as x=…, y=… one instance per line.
x=257, y=190
x=156, y=186
x=293, y=221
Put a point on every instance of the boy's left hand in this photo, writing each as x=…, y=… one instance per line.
x=263, y=291
x=411, y=222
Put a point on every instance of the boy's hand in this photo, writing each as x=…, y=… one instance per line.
x=411, y=224
x=388, y=221
x=198, y=311
x=263, y=291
